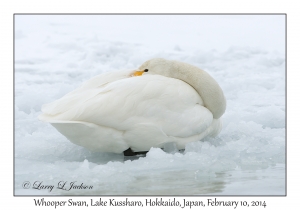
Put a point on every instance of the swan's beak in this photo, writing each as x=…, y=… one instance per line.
x=137, y=73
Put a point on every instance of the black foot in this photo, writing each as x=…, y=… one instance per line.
x=129, y=152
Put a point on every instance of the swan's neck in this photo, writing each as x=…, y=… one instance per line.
x=209, y=90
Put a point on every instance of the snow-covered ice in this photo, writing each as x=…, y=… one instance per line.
x=245, y=54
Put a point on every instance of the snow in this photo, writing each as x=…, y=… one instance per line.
x=245, y=54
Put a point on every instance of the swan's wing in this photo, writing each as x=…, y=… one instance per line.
x=149, y=110
x=87, y=91
x=91, y=136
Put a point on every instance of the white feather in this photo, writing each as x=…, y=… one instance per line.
x=114, y=111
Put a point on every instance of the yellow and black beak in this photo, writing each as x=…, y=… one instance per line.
x=139, y=73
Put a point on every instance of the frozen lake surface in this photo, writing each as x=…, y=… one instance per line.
x=245, y=54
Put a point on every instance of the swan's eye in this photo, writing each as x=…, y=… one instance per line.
x=146, y=70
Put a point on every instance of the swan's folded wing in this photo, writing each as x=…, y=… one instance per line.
x=85, y=92
x=91, y=136
x=150, y=108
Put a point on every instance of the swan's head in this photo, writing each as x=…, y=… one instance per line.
x=201, y=81
x=155, y=66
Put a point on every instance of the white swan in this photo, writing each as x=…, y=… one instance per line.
x=163, y=101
